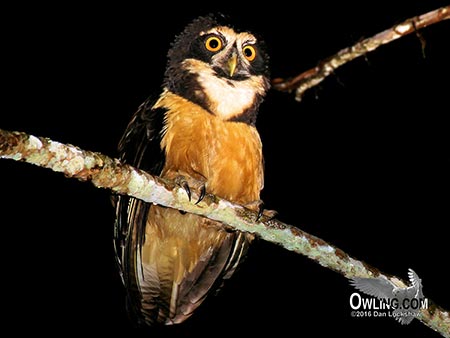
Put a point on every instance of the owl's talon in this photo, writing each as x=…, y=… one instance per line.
x=258, y=206
x=202, y=194
x=189, y=183
x=260, y=211
x=182, y=182
x=186, y=188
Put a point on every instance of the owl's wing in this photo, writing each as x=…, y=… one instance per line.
x=416, y=284
x=140, y=144
x=377, y=287
x=217, y=265
x=139, y=147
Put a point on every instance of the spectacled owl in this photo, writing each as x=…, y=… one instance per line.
x=200, y=132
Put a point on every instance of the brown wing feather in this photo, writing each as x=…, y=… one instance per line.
x=140, y=147
x=210, y=272
x=183, y=258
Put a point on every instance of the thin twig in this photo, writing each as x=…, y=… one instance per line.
x=105, y=172
x=312, y=77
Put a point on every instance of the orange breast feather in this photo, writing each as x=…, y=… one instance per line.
x=228, y=155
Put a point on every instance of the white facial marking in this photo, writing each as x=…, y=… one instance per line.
x=231, y=97
x=227, y=97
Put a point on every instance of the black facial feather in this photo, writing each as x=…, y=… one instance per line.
x=198, y=49
x=260, y=65
x=183, y=46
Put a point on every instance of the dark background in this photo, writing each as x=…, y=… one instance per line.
x=362, y=162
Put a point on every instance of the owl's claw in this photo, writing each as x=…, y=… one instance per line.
x=202, y=194
x=186, y=188
x=182, y=182
x=260, y=211
x=258, y=206
x=187, y=183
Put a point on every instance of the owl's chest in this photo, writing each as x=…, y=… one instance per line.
x=227, y=155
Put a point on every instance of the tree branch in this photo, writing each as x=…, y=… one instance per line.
x=312, y=77
x=108, y=173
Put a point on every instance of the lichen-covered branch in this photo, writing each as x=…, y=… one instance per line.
x=312, y=77
x=105, y=172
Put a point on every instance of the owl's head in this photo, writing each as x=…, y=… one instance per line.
x=219, y=68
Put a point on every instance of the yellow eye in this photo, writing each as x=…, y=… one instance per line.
x=249, y=52
x=213, y=44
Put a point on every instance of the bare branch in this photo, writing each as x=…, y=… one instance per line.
x=105, y=172
x=312, y=77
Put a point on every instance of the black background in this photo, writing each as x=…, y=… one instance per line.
x=362, y=162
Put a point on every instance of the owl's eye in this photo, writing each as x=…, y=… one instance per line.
x=213, y=44
x=249, y=52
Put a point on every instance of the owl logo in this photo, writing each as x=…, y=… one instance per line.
x=406, y=301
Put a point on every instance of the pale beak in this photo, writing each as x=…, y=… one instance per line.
x=232, y=63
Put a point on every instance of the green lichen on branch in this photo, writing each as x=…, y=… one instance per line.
x=312, y=77
x=108, y=173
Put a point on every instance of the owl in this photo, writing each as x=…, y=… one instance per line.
x=199, y=132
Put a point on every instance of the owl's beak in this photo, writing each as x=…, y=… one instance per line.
x=232, y=63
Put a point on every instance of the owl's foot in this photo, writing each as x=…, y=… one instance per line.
x=258, y=206
x=187, y=183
